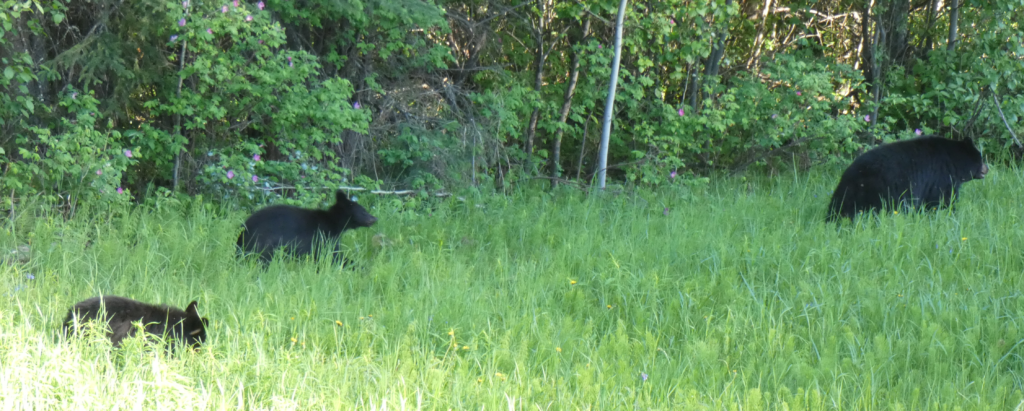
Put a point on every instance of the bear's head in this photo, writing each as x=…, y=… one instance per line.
x=193, y=327
x=973, y=167
x=349, y=213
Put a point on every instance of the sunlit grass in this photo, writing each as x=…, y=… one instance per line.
x=740, y=298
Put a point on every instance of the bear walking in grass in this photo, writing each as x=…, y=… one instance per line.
x=921, y=172
x=168, y=322
x=301, y=231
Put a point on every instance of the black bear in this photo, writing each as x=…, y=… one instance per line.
x=168, y=322
x=921, y=172
x=301, y=231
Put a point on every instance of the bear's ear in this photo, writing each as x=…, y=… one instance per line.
x=192, y=309
x=340, y=197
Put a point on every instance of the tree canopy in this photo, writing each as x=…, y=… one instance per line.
x=233, y=98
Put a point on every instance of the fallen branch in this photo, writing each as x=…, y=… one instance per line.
x=379, y=192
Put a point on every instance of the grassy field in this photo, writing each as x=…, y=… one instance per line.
x=740, y=298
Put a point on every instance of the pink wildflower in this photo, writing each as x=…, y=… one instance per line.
x=231, y=174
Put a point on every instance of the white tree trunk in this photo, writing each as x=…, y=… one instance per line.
x=609, y=106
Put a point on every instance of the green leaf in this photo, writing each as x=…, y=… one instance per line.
x=9, y=72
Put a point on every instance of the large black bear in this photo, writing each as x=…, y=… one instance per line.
x=921, y=172
x=183, y=326
x=301, y=231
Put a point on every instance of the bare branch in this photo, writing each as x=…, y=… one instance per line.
x=1008, y=128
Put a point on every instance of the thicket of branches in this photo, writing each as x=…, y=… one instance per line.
x=286, y=97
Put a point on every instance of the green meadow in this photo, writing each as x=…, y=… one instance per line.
x=740, y=298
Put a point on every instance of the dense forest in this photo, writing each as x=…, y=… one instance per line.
x=108, y=100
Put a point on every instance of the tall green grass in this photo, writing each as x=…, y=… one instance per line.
x=741, y=298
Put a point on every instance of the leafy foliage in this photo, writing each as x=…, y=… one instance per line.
x=439, y=95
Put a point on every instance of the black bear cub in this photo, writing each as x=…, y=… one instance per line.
x=301, y=231
x=169, y=322
x=921, y=172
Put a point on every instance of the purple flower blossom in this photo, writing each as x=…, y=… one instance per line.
x=643, y=376
x=672, y=174
x=289, y=61
x=248, y=18
x=184, y=4
x=235, y=3
x=224, y=9
x=665, y=213
x=774, y=115
x=682, y=112
x=260, y=41
x=256, y=157
x=128, y=153
x=917, y=131
x=867, y=118
x=255, y=179
x=120, y=190
x=181, y=23
x=173, y=38
x=231, y=174
x=260, y=5
x=356, y=106
x=672, y=21
x=99, y=172
x=209, y=31
x=30, y=276
x=600, y=46
x=798, y=93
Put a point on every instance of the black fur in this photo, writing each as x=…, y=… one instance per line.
x=168, y=322
x=300, y=231
x=921, y=172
